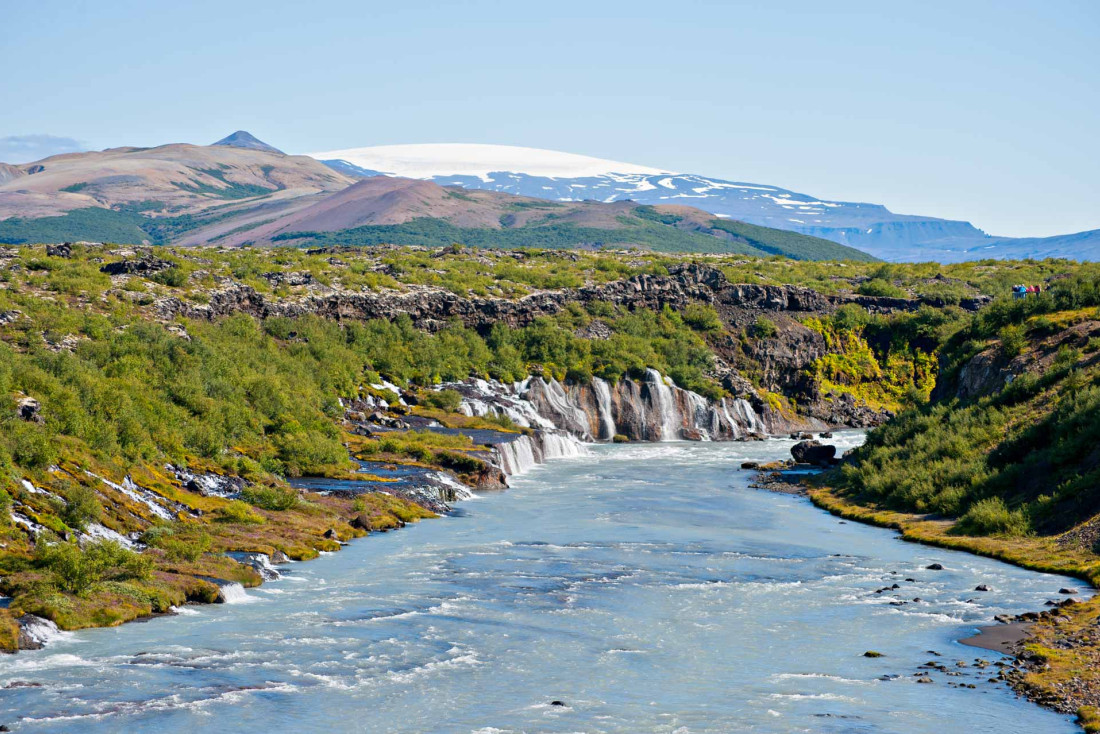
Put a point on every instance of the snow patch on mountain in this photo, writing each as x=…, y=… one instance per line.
x=468, y=159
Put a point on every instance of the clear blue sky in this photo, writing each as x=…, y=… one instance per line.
x=986, y=111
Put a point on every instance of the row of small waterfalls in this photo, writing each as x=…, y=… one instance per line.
x=565, y=417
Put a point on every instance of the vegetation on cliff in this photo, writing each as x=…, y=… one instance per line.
x=1004, y=461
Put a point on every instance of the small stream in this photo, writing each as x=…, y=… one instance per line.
x=644, y=587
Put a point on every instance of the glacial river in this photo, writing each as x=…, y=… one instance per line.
x=645, y=588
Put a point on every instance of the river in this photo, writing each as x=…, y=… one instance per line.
x=645, y=588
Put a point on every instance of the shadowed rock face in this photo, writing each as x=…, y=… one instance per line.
x=431, y=308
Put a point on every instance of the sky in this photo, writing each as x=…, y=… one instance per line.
x=983, y=111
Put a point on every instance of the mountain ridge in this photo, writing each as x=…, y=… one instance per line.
x=245, y=194
x=245, y=139
x=870, y=227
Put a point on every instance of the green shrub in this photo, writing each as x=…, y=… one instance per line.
x=880, y=287
x=76, y=570
x=175, y=547
x=240, y=513
x=82, y=506
x=271, y=498
x=702, y=317
x=174, y=277
x=30, y=444
x=1013, y=340
x=991, y=516
x=448, y=400
x=764, y=328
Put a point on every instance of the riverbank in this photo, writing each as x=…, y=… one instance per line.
x=122, y=576
x=1058, y=660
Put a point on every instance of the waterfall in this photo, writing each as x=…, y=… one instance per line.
x=234, y=593
x=741, y=416
x=523, y=454
x=563, y=417
x=96, y=531
x=137, y=494
x=700, y=415
x=550, y=397
x=39, y=629
x=603, y=403
x=482, y=397
x=666, y=405
x=461, y=491
x=560, y=446
x=517, y=457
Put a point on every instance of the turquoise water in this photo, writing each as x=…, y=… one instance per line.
x=644, y=587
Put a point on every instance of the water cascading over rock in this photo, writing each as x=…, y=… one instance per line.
x=565, y=416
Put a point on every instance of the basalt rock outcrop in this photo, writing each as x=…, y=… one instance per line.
x=813, y=452
x=432, y=308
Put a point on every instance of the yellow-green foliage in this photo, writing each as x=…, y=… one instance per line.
x=891, y=381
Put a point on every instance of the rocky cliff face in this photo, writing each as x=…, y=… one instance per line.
x=780, y=362
x=431, y=308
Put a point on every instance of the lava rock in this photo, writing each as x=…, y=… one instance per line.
x=750, y=465
x=1067, y=590
x=813, y=452
x=65, y=249
x=279, y=557
x=28, y=410
x=144, y=266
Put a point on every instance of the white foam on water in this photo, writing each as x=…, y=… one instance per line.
x=234, y=593
x=41, y=630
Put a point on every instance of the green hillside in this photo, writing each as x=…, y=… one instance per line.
x=746, y=239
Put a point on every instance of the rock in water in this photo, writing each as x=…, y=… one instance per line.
x=34, y=632
x=813, y=452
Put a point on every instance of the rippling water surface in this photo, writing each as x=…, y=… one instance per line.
x=644, y=587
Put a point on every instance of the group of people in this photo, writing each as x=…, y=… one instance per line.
x=1023, y=291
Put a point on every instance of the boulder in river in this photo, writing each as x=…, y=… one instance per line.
x=934, y=567
x=813, y=452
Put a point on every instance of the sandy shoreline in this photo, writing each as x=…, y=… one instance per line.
x=1001, y=638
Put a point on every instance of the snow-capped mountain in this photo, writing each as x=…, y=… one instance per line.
x=568, y=177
